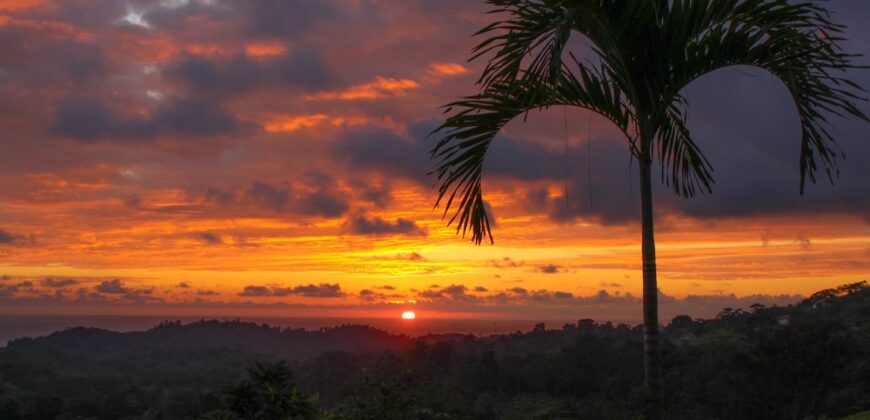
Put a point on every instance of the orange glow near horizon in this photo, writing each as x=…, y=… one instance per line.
x=409, y=315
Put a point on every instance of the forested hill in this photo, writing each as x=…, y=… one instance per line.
x=244, y=337
x=808, y=360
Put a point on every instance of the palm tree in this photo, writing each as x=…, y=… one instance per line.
x=645, y=53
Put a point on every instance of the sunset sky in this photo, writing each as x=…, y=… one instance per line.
x=269, y=158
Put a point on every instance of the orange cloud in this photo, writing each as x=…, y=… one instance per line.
x=19, y=4
x=287, y=123
x=379, y=88
x=209, y=49
x=447, y=69
x=265, y=50
x=290, y=123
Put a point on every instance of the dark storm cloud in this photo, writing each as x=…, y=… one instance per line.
x=598, y=186
x=390, y=154
x=268, y=195
x=368, y=295
x=519, y=294
x=537, y=199
x=6, y=237
x=360, y=224
x=454, y=292
x=379, y=195
x=319, y=198
x=8, y=290
x=385, y=152
x=525, y=160
x=255, y=291
x=509, y=157
x=141, y=296
x=45, y=57
x=322, y=290
x=286, y=18
x=58, y=283
x=745, y=123
x=217, y=196
x=89, y=119
x=115, y=286
x=71, y=62
x=194, y=118
x=302, y=69
x=79, y=62
x=461, y=293
x=210, y=238
x=133, y=202
x=323, y=203
x=86, y=14
x=549, y=268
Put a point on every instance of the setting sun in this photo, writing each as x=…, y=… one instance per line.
x=409, y=315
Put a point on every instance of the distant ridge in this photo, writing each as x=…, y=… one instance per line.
x=289, y=343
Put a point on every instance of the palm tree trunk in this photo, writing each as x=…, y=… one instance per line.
x=651, y=366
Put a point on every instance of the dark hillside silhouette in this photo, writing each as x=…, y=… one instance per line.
x=802, y=361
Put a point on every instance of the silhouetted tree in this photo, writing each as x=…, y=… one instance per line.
x=648, y=51
x=267, y=394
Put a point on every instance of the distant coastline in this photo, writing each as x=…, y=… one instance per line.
x=13, y=326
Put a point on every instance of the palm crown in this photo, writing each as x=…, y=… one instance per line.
x=647, y=52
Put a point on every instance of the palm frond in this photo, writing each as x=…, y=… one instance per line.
x=538, y=30
x=468, y=133
x=684, y=167
x=796, y=42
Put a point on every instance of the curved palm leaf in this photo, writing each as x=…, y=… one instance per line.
x=684, y=167
x=469, y=132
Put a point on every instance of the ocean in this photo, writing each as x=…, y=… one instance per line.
x=18, y=326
